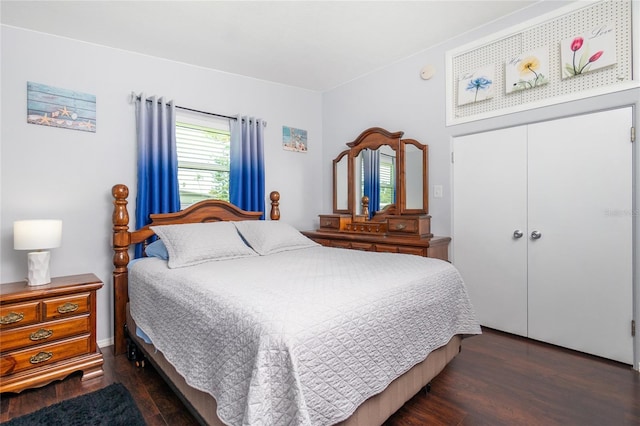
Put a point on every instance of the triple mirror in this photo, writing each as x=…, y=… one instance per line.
x=387, y=172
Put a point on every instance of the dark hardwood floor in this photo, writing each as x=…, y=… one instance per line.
x=497, y=379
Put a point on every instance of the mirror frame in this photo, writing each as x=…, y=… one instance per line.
x=373, y=138
x=349, y=183
x=402, y=205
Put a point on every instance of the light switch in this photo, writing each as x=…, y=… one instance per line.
x=437, y=191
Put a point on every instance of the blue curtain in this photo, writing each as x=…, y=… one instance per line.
x=246, y=180
x=371, y=165
x=158, y=190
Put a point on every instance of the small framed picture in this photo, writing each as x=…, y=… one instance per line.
x=527, y=70
x=294, y=139
x=58, y=107
x=477, y=85
x=588, y=52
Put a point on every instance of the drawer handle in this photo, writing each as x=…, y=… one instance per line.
x=40, y=334
x=400, y=226
x=327, y=223
x=11, y=317
x=41, y=357
x=68, y=307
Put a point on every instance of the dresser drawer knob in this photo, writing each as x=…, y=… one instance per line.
x=41, y=334
x=400, y=226
x=41, y=357
x=11, y=317
x=68, y=307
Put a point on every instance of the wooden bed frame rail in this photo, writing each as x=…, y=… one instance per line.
x=204, y=211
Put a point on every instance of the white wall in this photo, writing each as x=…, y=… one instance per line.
x=396, y=98
x=59, y=173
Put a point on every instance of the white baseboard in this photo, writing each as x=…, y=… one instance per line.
x=105, y=342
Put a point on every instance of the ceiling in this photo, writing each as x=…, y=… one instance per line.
x=316, y=45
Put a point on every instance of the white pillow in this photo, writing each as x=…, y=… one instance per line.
x=270, y=236
x=194, y=243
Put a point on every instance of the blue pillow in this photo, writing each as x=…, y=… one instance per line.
x=157, y=249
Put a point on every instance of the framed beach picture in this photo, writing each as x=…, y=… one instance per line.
x=527, y=70
x=594, y=50
x=294, y=139
x=56, y=107
x=477, y=85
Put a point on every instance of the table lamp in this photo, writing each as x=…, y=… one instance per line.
x=37, y=235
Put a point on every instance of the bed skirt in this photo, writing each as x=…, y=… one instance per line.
x=374, y=411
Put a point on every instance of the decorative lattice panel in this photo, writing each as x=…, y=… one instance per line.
x=549, y=33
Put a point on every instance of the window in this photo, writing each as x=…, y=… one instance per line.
x=203, y=145
x=387, y=180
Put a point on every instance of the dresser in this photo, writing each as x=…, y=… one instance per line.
x=381, y=198
x=435, y=247
x=48, y=332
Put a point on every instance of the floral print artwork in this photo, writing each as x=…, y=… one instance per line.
x=477, y=85
x=588, y=52
x=527, y=70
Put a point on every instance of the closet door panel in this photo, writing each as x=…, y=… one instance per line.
x=489, y=204
x=580, y=201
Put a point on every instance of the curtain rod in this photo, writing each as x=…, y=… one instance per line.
x=137, y=97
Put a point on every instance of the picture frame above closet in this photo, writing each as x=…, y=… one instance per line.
x=551, y=32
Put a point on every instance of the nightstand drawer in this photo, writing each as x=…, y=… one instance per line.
x=45, y=332
x=18, y=314
x=66, y=306
x=14, y=362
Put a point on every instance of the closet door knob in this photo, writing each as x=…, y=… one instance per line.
x=535, y=235
x=517, y=233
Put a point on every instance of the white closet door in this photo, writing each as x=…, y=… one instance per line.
x=489, y=204
x=580, y=201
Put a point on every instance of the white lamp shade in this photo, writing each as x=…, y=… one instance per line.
x=37, y=234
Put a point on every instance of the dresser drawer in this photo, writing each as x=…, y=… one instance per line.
x=386, y=248
x=409, y=226
x=335, y=222
x=45, y=332
x=25, y=359
x=19, y=314
x=362, y=246
x=66, y=306
x=417, y=225
x=329, y=222
x=418, y=251
x=340, y=244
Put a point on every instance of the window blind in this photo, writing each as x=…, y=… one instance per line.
x=203, y=159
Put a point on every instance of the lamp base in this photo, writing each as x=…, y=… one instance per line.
x=38, y=263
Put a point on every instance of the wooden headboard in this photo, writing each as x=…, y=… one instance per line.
x=123, y=239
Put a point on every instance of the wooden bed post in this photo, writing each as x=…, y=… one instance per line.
x=274, y=196
x=121, y=241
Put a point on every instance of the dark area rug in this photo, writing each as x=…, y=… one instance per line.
x=112, y=405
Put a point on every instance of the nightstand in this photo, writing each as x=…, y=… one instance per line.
x=48, y=332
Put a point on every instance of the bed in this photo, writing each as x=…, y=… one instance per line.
x=252, y=323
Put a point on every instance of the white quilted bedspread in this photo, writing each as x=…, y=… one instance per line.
x=300, y=337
